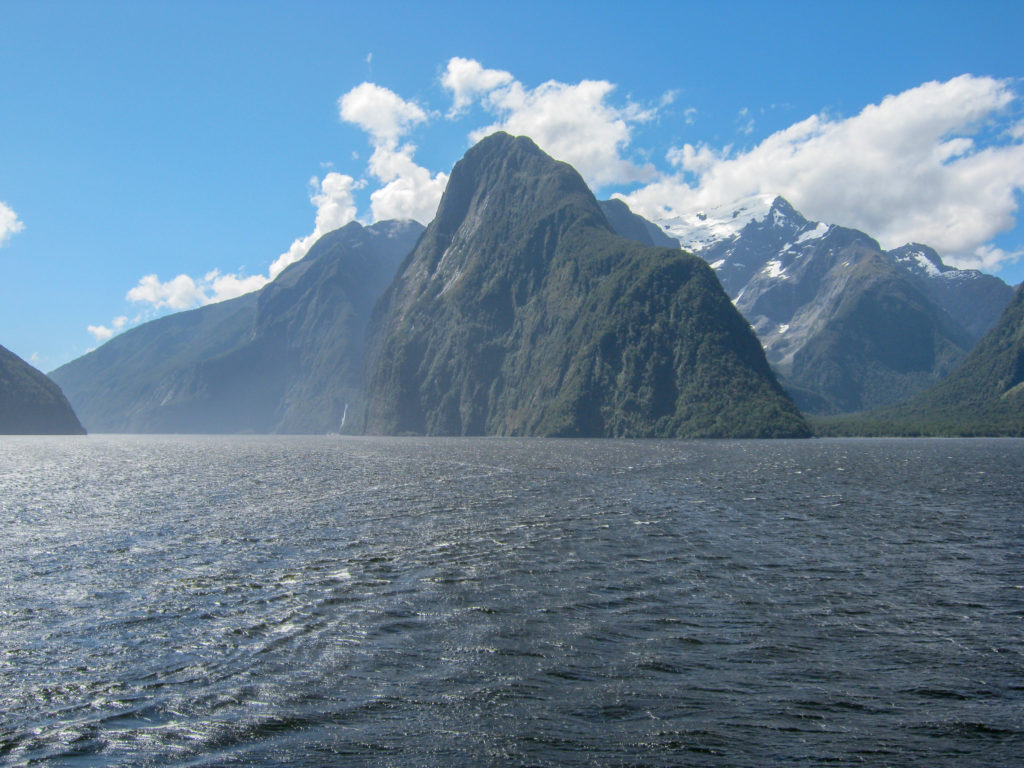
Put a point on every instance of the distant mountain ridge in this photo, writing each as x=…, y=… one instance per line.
x=520, y=312
x=31, y=403
x=983, y=396
x=633, y=227
x=528, y=307
x=285, y=359
x=847, y=325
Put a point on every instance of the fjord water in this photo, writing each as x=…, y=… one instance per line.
x=423, y=602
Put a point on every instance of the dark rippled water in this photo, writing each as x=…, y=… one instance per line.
x=332, y=601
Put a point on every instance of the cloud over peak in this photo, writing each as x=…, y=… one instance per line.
x=576, y=123
x=911, y=168
x=335, y=204
x=409, y=190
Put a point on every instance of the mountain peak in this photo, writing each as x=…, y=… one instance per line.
x=706, y=227
x=920, y=259
x=502, y=174
x=521, y=312
x=783, y=213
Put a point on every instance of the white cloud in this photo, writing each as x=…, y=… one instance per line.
x=467, y=79
x=382, y=113
x=409, y=190
x=9, y=223
x=910, y=168
x=988, y=258
x=181, y=292
x=574, y=123
x=230, y=286
x=102, y=332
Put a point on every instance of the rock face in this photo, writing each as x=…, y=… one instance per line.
x=30, y=403
x=285, y=359
x=846, y=325
x=520, y=312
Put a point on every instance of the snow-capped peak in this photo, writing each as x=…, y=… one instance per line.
x=698, y=229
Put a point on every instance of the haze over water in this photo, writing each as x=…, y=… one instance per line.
x=426, y=602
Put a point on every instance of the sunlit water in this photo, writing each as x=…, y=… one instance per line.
x=416, y=602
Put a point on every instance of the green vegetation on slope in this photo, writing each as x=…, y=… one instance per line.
x=521, y=313
x=984, y=396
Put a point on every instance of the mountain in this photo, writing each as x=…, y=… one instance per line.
x=984, y=396
x=846, y=325
x=285, y=359
x=633, y=227
x=30, y=403
x=521, y=312
x=975, y=299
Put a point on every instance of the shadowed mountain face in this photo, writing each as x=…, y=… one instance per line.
x=847, y=325
x=520, y=312
x=986, y=393
x=984, y=396
x=285, y=359
x=30, y=403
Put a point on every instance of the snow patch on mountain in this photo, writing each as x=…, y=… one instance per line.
x=699, y=229
x=926, y=265
x=921, y=260
x=774, y=268
x=814, y=234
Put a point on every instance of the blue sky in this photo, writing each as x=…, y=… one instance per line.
x=154, y=156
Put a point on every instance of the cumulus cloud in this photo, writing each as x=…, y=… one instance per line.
x=182, y=292
x=467, y=80
x=9, y=223
x=102, y=332
x=572, y=122
x=382, y=113
x=409, y=190
x=912, y=168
